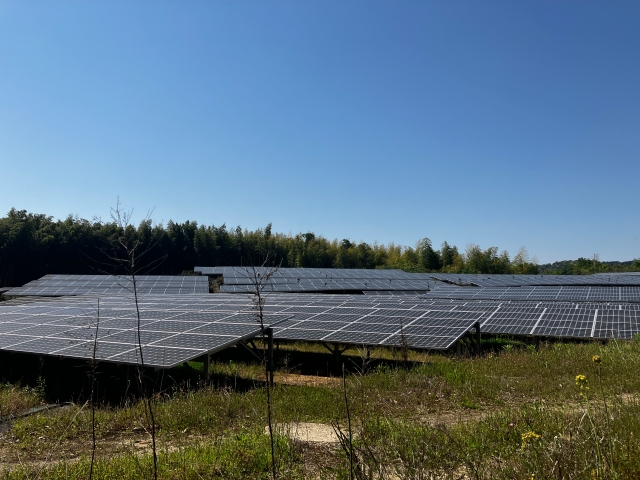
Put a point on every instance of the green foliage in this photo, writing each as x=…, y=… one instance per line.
x=32, y=245
x=587, y=266
x=240, y=456
x=429, y=259
x=15, y=399
x=529, y=442
x=487, y=261
x=507, y=414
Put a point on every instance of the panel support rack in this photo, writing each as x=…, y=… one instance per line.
x=471, y=340
x=335, y=349
x=255, y=351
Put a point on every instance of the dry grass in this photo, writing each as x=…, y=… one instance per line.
x=431, y=417
x=15, y=399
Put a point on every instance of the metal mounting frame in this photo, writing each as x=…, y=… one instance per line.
x=251, y=348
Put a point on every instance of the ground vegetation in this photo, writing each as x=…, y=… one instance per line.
x=566, y=410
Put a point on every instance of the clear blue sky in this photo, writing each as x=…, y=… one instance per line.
x=500, y=123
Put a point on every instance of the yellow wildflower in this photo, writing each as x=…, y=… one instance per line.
x=582, y=384
x=581, y=381
x=529, y=437
x=596, y=359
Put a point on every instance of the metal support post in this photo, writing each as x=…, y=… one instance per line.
x=459, y=348
x=334, y=348
x=270, y=365
x=338, y=354
x=252, y=350
x=478, y=345
x=207, y=366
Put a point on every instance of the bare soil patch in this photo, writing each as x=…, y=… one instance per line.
x=307, y=432
x=305, y=380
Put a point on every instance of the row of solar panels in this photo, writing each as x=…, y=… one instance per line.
x=317, y=285
x=578, y=294
x=481, y=280
x=596, y=293
x=175, y=329
x=310, y=273
x=383, y=282
x=237, y=280
x=59, y=285
x=247, y=275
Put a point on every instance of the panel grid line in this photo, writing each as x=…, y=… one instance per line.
x=538, y=322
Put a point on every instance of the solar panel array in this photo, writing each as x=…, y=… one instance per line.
x=327, y=279
x=615, y=274
x=372, y=321
x=395, y=292
x=173, y=330
x=242, y=279
x=596, y=294
x=312, y=273
x=180, y=321
x=59, y=285
x=559, y=319
x=482, y=280
x=573, y=320
x=319, y=285
x=177, y=329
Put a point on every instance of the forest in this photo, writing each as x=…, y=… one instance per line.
x=586, y=266
x=32, y=245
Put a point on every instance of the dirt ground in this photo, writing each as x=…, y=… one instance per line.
x=305, y=380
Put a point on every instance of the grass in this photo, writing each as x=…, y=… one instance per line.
x=238, y=457
x=15, y=399
x=563, y=445
x=434, y=415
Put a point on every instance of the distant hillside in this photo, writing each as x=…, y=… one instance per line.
x=585, y=266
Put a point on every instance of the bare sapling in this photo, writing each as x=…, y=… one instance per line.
x=346, y=438
x=93, y=392
x=260, y=278
x=131, y=257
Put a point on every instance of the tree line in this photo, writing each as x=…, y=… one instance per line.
x=32, y=245
x=586, y=266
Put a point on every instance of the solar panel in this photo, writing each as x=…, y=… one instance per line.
x=504, y=280
x=309, y=279
x=311, y=273
x=352, y=320
x=572, y=320
x=60, y=285
x=172, y=331
x=555, y=293
x=616, y=323
x=242, y=280
x=185, y=327
x=177, y=328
